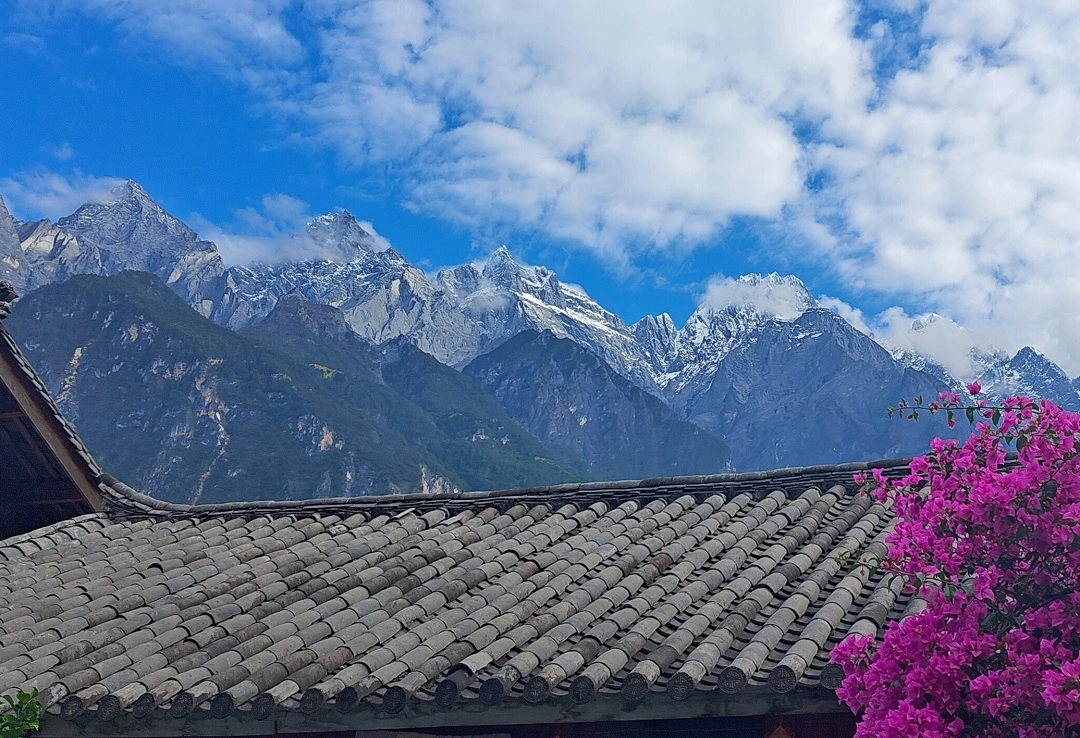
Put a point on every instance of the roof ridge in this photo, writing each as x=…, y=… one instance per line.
x=124, y=499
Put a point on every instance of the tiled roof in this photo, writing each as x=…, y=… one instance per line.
x=699, y=587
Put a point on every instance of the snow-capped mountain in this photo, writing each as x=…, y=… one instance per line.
x=340, y=237
x=126, y=230
x=1028, y=372
x=793, y=392
x=692, y=355
x=759, y=364
x=455, y=316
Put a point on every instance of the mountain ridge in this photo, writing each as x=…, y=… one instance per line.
x=192, y=412
x=463, y=313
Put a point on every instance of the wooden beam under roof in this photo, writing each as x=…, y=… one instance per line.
x=40, y=426
x=37, y=492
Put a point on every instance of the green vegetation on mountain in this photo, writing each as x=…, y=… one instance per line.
x=298, y=407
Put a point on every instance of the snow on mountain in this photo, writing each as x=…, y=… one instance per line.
x=731, y=311
x=537, y=300
x=655, y=337
x=340, y=237
x=1031, y=374
x=1028, y=372
x=754, y=330
x=382, y=296
x=455, y=317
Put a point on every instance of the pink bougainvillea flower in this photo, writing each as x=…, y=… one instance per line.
x=991, y=543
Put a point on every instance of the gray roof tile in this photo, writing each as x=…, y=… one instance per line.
x=721, y=584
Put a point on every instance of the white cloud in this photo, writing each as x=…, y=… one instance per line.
x=785, y=298
x=41, y=193
x=961, y=189
x=952, y=184
x=929, y=335
x=275, y=231
x=851, y=314
x=63, y=152
x=264, y=234
x=381, y=241
x=645, y=128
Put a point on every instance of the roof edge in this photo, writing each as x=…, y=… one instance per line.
x=20, y=378
x=126, y=499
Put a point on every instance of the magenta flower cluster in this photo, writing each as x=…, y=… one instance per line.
x=991, y=542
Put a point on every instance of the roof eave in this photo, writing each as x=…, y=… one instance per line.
x=418, y=715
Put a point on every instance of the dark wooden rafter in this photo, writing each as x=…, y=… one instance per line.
x=20, y=425
x=9, y=439
x=38, y=492
x=30, y=418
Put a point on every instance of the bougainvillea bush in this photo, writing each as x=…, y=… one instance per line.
x=991, y=540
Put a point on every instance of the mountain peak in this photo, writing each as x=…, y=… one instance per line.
x=501, y=257
x=783, y=297
x=344, y=218
x=340, y=237
x=502, y=269
x=923, y=322
x=1030, y=352
x=128, y=215
x=129, y=189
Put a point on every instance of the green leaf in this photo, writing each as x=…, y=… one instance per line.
x=24, y=716
x=970, y=413
x=1021, y=441
x=996, y=418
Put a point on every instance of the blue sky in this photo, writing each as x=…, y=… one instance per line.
x=899, y=157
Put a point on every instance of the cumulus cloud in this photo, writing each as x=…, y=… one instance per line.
x=785, y=298
x=851, y=314
x=930, y=335
x=961, y=186
x=647, y=128
x=275, y=231
x=933, y=158
x=42, y=193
